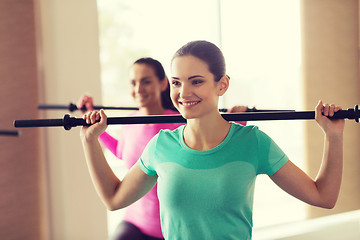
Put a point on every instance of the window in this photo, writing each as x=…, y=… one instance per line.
x=261, y=43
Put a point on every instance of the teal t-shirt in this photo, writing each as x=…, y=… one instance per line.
x=209, y=194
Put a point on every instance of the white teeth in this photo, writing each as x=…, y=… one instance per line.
x=189, y=104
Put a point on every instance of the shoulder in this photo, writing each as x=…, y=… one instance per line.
x=164, y=141
x=244, y=130
x=164, y=137
x=168, y=139
x=168, y=133
x=250, y=133
x=134, y=113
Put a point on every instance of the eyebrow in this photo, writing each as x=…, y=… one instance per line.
x=195, y=76
x=142, y=79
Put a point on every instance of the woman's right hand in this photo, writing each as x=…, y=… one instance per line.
x=87, y=101
x=96, y=128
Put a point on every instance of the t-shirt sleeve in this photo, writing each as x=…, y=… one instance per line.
x=146, y=161
x=271, y=157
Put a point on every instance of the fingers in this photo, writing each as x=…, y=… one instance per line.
x=96, y=124
x=331, y=110
x=329, y=126
x=87, y=101
x=238, y=109
x=327, y=110
x=103, y=117
x=95, y=116
x=80, y=103
x=91, y=117
x=89, y=104
x=319, y=107
x=337, y=108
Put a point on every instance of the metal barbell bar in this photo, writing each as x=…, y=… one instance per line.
x=72, y=107
x=68, y=122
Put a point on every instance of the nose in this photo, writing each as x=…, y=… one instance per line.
x=138, y=88
x=185, y=91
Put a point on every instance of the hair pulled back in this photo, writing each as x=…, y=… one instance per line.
x=160, y=73
x=207, y=52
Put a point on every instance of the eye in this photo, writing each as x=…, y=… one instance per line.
x=197, y=81
x=175, y=83
x=146, y=81
x=132, y=83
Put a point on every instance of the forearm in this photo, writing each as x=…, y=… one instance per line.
x=328, y=180
x=324, y=191
x=104, y=180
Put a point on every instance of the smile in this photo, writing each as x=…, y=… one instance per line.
x=141, y=97
x=188, y=103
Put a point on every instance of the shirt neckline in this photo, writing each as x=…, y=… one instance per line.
x=209, y=151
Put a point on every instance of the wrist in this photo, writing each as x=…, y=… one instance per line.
x=334, y=135
x=89, y=138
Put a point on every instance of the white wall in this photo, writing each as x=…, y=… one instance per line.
x=69, y=60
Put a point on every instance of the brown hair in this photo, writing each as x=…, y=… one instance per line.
x=160, y=73
x=207, y=52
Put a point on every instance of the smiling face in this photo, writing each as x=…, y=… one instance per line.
x=146, y=87
x=194, y=91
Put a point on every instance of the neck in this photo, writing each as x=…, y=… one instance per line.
x=207, y=132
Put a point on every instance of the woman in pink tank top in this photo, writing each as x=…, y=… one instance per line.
x=150, y=91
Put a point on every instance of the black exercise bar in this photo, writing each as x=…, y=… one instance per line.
x=9, y=133
x=68, y=122
x=72, y=107
x=254, y=109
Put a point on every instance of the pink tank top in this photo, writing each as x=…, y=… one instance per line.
x=144, y=213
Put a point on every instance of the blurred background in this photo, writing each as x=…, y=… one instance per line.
x=280, y=54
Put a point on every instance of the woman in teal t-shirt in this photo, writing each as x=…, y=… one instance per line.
x=206, y=169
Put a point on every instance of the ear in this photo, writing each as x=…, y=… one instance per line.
x=164, y=84
x=223, y=85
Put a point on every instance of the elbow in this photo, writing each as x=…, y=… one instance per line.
x=327, y=198
x=328, y=204
x=112, y=207
x=113, y=204
x=109, y=206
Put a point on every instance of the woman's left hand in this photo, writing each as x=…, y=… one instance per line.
x=322, y=111
x=238, y=109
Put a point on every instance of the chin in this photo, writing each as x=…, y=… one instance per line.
x=188, y=115
x=143, y=103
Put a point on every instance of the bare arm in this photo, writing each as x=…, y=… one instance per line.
x=114, y=193
x=324, y=190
